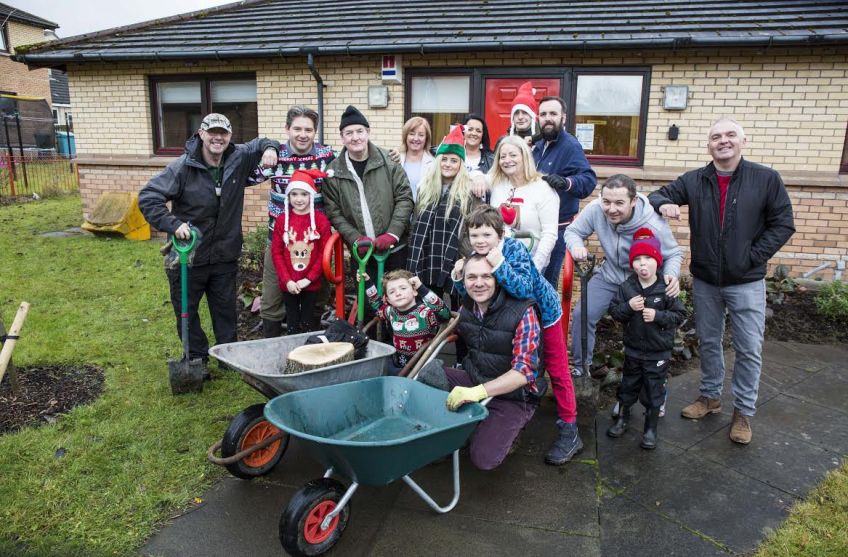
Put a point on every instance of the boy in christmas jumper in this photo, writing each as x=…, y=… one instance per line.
x=650, y=318
x=515, y=272
x=413, y=311
x=297, y=246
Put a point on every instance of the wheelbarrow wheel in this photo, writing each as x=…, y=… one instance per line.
x=247, y=429
x=300, y=524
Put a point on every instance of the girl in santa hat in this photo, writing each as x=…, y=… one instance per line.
x=297, y=246
x=444, y=200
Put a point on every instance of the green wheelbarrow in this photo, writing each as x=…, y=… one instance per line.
x=380, y=430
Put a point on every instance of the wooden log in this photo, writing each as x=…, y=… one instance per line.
x=14, y=331
x=314, y=356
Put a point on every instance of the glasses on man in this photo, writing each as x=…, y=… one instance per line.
x=349, y=134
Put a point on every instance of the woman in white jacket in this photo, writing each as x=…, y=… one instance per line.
x=415, y=156
x=526, y=202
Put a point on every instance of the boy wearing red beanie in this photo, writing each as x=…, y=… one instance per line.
x=650, y=319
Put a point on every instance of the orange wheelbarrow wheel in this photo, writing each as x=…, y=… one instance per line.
x=247, y=429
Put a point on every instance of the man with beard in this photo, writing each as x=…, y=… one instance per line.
x=559, y=156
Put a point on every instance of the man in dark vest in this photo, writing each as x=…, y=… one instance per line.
x=502, y=335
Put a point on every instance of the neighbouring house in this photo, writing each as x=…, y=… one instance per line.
x=60, y=97
x=19, y=28
x=643, y=82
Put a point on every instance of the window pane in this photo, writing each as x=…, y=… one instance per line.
x=442, y=101
x=179, y=111
x=607, y=114
x=237, y=101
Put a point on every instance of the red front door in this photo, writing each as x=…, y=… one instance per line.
x=498, y=99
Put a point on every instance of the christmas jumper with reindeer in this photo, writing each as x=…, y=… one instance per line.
x=301, y=257
x=413, y=327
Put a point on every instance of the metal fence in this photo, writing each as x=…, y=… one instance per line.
x=45, y=174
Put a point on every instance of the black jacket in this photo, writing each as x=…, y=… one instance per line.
x=757, y=221
x=647, y=341
x=489, y=340
x=187, y=184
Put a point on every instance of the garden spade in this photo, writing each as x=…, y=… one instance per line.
x=584, y=388
x=186, y=375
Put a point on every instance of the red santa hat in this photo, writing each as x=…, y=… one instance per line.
x=645, y=243
x=304, y=180
x=525, y=101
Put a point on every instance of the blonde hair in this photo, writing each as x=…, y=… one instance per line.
x=496, y=175
x=430, y=188
x=412, y=124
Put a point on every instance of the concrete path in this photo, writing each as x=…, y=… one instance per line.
x=697, y=494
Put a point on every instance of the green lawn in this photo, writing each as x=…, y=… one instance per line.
x=138, y=455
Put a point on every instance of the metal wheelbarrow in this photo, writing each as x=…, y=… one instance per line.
x=252, y=446
x=369, y=432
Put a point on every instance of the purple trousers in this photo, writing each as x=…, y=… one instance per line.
x=491, y=441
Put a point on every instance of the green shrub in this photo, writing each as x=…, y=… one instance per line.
x=832, y=301
x=253, y=250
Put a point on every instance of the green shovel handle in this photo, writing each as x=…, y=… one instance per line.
x=380, y=258
x=360, y=294
x=185, y=247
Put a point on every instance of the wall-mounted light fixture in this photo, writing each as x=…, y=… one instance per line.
x=675, y=97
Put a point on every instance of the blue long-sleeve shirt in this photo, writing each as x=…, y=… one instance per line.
x=564, y=157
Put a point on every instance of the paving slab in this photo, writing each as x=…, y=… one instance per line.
x=523, y=492
x=622, y=463
x=456, y=534
x=808, y=357
x=807, y=421
x=826, y=388
x=730, y=508
x=628, y=528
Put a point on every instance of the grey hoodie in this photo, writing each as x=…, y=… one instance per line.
x=616, y=239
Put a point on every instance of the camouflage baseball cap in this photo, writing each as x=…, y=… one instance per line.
x=216, y=121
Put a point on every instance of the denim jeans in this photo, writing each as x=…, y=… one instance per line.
x=746, y=305
x=600, y=294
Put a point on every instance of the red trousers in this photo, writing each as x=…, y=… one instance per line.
x=556, y=363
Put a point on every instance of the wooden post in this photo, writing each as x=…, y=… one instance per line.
x=14, y=332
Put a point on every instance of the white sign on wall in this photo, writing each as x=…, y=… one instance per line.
x=585, y=134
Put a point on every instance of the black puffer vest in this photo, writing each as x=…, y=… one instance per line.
x=489, y=340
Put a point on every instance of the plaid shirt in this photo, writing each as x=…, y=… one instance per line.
x=525, y=359
x=434, y=242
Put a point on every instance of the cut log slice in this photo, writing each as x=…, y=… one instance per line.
x=314, y=356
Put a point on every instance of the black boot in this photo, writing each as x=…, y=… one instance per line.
x=649, y=438
x=272, y=329
x=620, y=426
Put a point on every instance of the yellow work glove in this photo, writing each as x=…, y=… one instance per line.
x=461, y=395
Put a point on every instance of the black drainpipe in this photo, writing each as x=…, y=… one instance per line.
x=310, y=61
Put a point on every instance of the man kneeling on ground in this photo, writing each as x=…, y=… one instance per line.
x=502, y=334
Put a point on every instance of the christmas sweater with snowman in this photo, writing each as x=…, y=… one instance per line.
x=299, y=255
x=413, y=327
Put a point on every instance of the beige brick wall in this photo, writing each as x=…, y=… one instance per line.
x=792, y=102
x=16, y=77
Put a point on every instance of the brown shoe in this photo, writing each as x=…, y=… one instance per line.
x=701, y=408
x=740, y=428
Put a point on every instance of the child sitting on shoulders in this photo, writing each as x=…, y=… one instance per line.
x=297, y=245
x=413, y=322
x=650, y=319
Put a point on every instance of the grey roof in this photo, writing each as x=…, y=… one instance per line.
x=25, y=17
x=290, y=27
x=59, y=92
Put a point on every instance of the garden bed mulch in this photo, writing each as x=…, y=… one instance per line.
x=45, y=392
